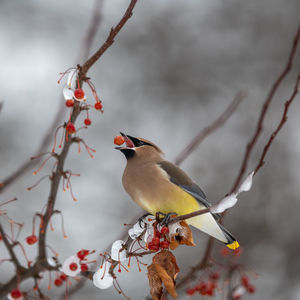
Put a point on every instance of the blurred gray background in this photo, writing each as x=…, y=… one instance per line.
x=172, y=70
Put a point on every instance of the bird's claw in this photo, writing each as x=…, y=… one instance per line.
x=166, y=218
x=141, y=219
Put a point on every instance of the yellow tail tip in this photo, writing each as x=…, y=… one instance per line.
x=233, y=245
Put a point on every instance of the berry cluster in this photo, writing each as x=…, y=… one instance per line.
x=245, y=281
x=82, y=254
x=58, y=281
x=206, y=288
x=159, y=239
x=73, y=92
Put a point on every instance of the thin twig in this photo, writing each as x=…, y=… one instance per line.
x=259, y=126
x=85, y=49
x=206, y=131
x=109, y=41
x=10, y=250
x=41, y=261
x=190, y=215
x=92, y=30
x=280, y=125
x=204, y=263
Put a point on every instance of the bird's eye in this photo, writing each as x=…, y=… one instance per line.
x=139, y=143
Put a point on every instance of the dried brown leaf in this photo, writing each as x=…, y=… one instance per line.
x=167, y=280
x=163, y=269
x=184, y=236
x=155, y=283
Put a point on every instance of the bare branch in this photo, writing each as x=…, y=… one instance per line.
x=206, y=131
x=85, y=49
x=259, y=126
x=280, y=125
x=250, y=146
x=109, y=41
x=190, y=215
x=41, y=261
x=10, y=250
x=92, y=30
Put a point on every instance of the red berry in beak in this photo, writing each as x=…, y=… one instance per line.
x=119, y=140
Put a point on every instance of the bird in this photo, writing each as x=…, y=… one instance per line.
x=158, y=185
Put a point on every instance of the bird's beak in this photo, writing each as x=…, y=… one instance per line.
x=128, y=141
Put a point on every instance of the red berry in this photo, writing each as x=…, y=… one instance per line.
x=191, y=291
x=224, y=251
x=82, y=254
x=70, y=128
x=164, y=245
x=79, y=93
x=16, y=293
x=238, y=251
x=119, y=140
x=202, y=288
x=70, y=103
x=63, y=277
x=87, y=122
x=58, y=282
x=1, y=237
x=155, y=241
x=237, y=297
x=164, y=230
x=251, y=289
x=98, y=105
x=84, y=267
x=73, y=266
x=32, y=239
x=157, y=233
x=214, y=276
x=245, y=281
x=153, y=247
x=210, y=292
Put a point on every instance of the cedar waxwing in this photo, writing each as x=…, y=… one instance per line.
x=157, y=185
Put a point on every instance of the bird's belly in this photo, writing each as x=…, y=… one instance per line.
x=173, y=200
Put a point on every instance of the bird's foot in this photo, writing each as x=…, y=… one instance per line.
x=166, y=218
x=141, y=219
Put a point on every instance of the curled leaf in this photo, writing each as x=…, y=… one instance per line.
x=155, y=283
x=181, y=236
x=163, y=270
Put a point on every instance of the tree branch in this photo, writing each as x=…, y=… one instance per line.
x=190, y=215
x=252, y=142
x=10, y=250
x=85, y=49
x=206, y=131
x=280, y=125
x=259, y=126
x=109, y=41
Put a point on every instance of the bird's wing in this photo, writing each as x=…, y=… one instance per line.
x=181, y=179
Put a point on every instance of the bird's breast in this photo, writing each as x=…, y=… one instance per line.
x=150, y=187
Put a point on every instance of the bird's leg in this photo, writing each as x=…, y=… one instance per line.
x=166, y=218
x=141, y=219
x=158, y=218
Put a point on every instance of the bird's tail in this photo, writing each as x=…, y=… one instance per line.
x=209, y=225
